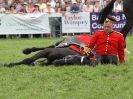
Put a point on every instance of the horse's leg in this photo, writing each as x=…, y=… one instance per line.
x=34, y=49
x=127, y=28
x=50, y=53
x=29, y=61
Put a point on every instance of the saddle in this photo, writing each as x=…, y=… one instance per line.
x=80, y=40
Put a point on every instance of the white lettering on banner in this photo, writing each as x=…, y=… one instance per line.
x=120, y=25
x=24, y=24
x=117, y=17
x=76, y=23
x=96, y=26
x=99, y=26
x=94, y=17
x=123, y=17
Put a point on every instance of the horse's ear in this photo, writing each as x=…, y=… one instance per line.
x=105, y=12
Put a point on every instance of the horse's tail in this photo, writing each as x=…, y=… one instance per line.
x=105, y=11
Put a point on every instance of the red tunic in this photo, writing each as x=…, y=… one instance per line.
x=105, y=44
x=85, y=39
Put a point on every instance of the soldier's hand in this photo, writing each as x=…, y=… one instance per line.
x=86, y=51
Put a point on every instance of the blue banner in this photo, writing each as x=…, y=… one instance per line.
x=94, y=25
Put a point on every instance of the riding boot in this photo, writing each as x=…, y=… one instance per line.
x=59, y=62
x=68, y=60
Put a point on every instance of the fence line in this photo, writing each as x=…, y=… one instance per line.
x=52, y=25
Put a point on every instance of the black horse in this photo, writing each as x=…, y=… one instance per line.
x=53, y=52
x=128, y=11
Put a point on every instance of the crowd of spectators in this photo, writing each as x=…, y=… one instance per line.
x=56, y=6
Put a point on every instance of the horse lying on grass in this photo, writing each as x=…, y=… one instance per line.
x=69, y=46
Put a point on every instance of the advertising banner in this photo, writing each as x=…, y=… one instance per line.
x=24, y=24
x=76, y=22
x=120, y=17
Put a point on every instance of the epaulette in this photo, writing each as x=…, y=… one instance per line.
x=118, y=32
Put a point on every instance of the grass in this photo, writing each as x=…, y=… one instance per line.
x=66, y=82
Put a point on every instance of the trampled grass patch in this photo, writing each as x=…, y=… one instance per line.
x=66, y=82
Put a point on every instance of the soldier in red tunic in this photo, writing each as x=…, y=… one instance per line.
x=109, y=44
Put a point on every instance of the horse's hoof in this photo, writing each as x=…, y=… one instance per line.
x=9, y=65
x=27, y=51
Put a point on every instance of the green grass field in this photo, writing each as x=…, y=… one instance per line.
x=66, y=82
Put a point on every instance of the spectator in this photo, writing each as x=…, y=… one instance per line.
x=97, y=7
x=2, y=9
x=68, y=6
x=105, y=2
x=12, y=9
x=42, y=5
x=83, y=1
x=23, y=9
x=18, y=5
x=108, y=43
x=30, y=7
x=58, y=7
x=6, y=5
x=88, y=7
x=37, y=9
x=75, y=8
x=80, y=4
x=53, y=3
x=10, y=2
x=118, y=6
x=49, y=9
